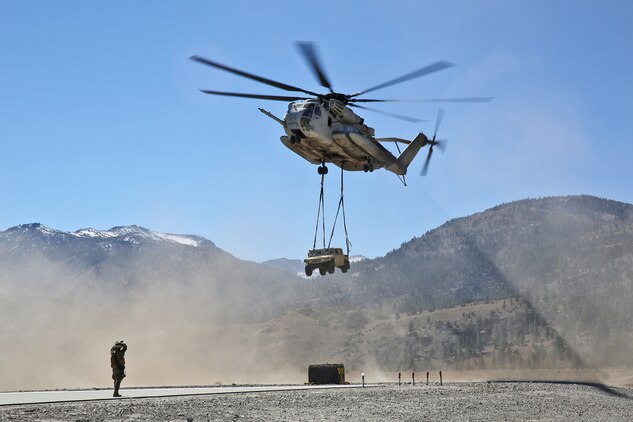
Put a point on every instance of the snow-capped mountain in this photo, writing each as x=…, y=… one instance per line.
x=129, y=256
x=136, y=233
x=88, y=248
x=132, y=234
x=26, y=234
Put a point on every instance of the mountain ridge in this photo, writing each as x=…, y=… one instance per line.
x=535, y=283
x=127, y=233
x=498, y=248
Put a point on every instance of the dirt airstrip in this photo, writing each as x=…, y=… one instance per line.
x=469, y=401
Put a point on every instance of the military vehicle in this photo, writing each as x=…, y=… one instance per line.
x=326, y=260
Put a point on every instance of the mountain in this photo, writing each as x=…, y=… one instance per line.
x=37, y=238
x=569, y=260
x=536, y=283
x=137, y=258
x=89, y=248
x=545, y=281
x=294, y=266
x=552, y=243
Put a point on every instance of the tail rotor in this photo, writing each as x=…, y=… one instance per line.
x=441, y=143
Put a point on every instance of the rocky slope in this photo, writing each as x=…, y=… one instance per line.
x=555, y=245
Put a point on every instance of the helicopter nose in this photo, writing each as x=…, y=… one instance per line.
x=292, y=120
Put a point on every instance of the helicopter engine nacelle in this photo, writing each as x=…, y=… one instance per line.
x=344, y=114
x=336, y=107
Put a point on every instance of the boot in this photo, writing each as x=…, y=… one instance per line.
x=117, y=384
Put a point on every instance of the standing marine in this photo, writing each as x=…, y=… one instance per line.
x=117, y=362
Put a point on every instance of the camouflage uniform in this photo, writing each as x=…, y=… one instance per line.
x=117, y=362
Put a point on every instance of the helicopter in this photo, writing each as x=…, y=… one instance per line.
x=323, y=128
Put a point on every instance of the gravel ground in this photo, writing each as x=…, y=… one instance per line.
x=456, y=401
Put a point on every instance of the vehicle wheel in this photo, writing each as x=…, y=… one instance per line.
x=344, y=269
x=322, y=271
x=365, y=168
x=371, y=168
x=320, y=170
x=308, y=270
x=330, y=268
x=325, y=170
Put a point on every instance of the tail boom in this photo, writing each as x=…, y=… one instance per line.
x=407, y=156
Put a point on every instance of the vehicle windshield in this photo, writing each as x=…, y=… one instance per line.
x=321, y=252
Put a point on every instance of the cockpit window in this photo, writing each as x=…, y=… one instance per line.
x=317, y=111
x=308, y=111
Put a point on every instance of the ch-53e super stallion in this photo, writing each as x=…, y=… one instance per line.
x=322, y=128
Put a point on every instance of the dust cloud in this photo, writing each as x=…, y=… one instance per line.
x=200, y=328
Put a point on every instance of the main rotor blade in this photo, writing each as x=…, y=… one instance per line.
x=426, y=163
x=440, y=116
x=427, y=100
x=250, y=75
x=386, y=113
x=309, y=53
x=258, y=96
x=433, y=67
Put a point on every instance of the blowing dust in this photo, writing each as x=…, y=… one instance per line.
x=219, y=323
x=59, y=324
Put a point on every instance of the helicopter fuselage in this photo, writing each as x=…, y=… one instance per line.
x=329, y=132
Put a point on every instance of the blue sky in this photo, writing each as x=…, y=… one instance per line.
x=102, y=123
